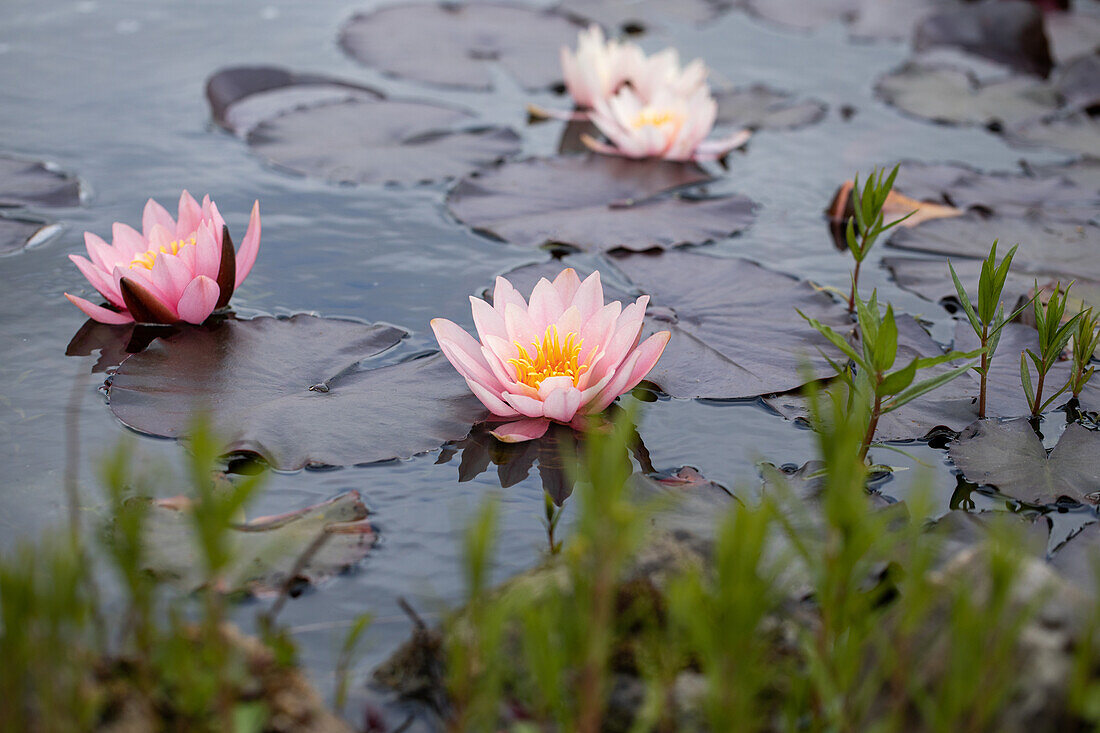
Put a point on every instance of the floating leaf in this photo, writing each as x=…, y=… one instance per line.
x=265, y=551
x=1045, y=245
x=596, y=202
x=865, y=18
x=114, y=342
x=293, y=391
x=380, y=141
x=960, y=530
x=1073, y=34
x=458, y=45
x=1079, y=558
x=761, y=108
x=241, y=97
x=1073, y=133
x=17, y=234
x=949, y=95
x=1079, y=81
x=735, y=331
x=31, y=183
x=639, y=15
x=1010, y=456
x=1009, y=33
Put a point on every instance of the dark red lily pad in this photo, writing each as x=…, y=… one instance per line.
x=369, y=141
x=1010, y=456
x=16, y=234
x=597, y=202
x=457, y=45
x=241, y=97
x=265, y=551
x=735, y=332
x=31, y=183
x=639, y=15
x=761, y=108
x=293, y=391
x=954, y=96
x=1045, y=245
x=113, y=342
x=1009, y=32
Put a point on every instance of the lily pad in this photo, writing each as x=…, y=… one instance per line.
x=761, y=108
x=114, y=342
x=639, y=15
x=293, y=391
x=17, y=233
x=1010, y=456
x=1073, y=133
x=1009, y=32
x=264, y=551
x=597, y=202
x=242, y=97
x=31, y=183
x=735, y=332
x=1079, y=81
x=865, y=18
x=1079, y=558
x=949, y=95
x=1045, y=245
x=457, y=45
x=380, y=141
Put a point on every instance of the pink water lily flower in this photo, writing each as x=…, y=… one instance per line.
x=174, y=270
x=669, y=126
x=558, y=358
x=649, y=75
x=597, y=68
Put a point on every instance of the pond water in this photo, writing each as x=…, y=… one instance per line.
x=114, y=93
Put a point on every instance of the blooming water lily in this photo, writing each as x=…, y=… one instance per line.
x=174, y=270
x=669, y=126
x=558, y=358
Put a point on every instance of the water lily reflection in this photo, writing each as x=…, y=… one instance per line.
x=560, y=358
x=174, y=270
x=480, y=450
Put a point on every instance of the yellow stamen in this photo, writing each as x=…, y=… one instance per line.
x=553, y=358
x=656, y=118
x=148, y=258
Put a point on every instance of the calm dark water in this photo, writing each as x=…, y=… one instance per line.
x=113, y=92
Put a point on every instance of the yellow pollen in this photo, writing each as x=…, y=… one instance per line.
x=656, y=118
x=148, y=258
x=553, y=358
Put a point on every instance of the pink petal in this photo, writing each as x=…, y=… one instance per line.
x=566, y=283
x=715, y=149
x=554, y=384
x=545, y=305
x=142, y=277
x=217, y=220
x=190, y=214
x=198, y=300
x=250, y=245
x=99, y=279
x=562, y=404
x=155, y=214
x=588, y=297
x=637, y=365
x=568, y=322
x=464, y=353
x=597, y=146
x=208, y=252
x=127, y=241
x=504, y=293
x=521, y=430
x=523, y=404
x=491, y=401
x=171, y=275
x=521, y=328
x=625, y=335
x=99, y=313
x=487, y=320
x=102, y=254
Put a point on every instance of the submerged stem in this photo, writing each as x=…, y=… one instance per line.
x=984, y=372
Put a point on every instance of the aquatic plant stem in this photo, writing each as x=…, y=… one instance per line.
x=855, y=283
x=1035, y=407
x=876, y=413
x=984, y=371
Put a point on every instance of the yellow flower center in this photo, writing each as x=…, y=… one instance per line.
x=553, y=358
x=656, y=118
x=148, y=258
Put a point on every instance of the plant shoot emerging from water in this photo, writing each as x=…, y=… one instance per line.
x=1053, y=337
x=1085, y=342
x=988, y=318
x=871, y=381
x=869, y=221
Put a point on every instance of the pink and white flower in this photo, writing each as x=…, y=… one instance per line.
x=598, y=68
x=649, y=75
x=174, y=270
x=667, y=125
x=558, y=358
